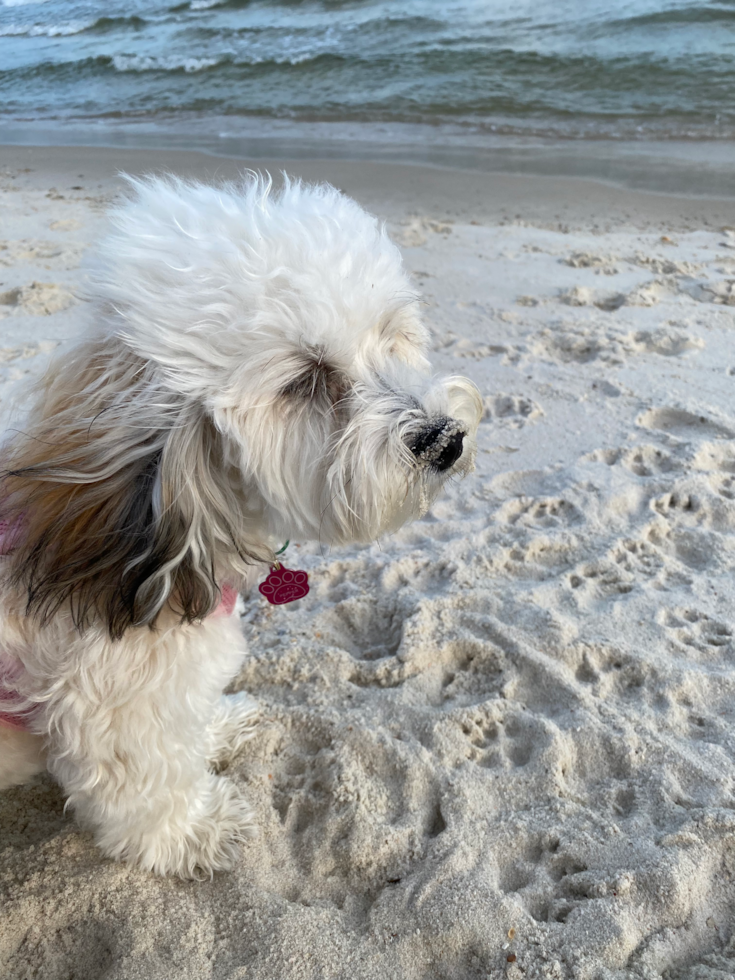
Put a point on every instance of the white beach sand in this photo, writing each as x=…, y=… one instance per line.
x=500, y=742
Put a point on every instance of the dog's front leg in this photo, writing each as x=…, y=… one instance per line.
x=129, y=742
x=232, y=724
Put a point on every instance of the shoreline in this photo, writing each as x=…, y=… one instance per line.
x=395, y=189
x=692, y=167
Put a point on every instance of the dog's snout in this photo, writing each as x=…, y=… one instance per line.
x=450, y=452
x=440, y=444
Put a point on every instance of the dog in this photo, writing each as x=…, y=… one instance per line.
x=255, y=370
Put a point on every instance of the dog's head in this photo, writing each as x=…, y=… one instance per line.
x=259, y=372
x=289, y=318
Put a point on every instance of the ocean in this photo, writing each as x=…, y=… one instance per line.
x=480, y=76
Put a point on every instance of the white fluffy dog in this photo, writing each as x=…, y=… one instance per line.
x=256, y=372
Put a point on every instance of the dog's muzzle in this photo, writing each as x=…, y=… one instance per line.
x=440, y=444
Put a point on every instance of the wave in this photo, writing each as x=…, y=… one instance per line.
x=101, y=25
x=45, y=30
x=208, y=4
x=142, y=63
x=372, y=30
x=104, y=25
x=499, y=81
x=201, y=5
x=696, y=14
x=173, y=63
x=21, y=3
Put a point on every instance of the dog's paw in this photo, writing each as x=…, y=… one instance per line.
x=226, y=822
x=191, y=843
x=233, y=724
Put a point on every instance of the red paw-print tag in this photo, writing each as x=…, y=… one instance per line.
x=282, y=585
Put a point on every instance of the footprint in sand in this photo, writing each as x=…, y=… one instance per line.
x=697, y=631
x=584, y=296
x=366, y=628
x=477, y=350
x=604, y=264
x=724, y=486
x=718, y=463
x=10, y=354
x=643, y=460
x=721, y=293
x=683, y=424
x=638, y=558
x=648, y=294
x=668, y=343
x=606, y=342
x=513, y=411
x=712, y=457
x=693, y=547
x=416, y=231
x=37, y=299
x=579, y=344
x=665, y=266
x=539, y=512
x=507, y=743
x=65, y=224
x=59, y=255
x=603, y=579
x=12, y=358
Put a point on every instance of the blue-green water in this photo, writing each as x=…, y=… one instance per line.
x=643, y=69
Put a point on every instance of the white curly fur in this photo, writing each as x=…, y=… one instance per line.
x=256, y=371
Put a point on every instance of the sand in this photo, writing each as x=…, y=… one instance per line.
x=499, y=743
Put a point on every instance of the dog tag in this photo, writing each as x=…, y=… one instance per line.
x=283, y=585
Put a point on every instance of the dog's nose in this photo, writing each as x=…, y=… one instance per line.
x=451, y=452
x=440, y=444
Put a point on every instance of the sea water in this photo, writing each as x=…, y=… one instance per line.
x=464, y=73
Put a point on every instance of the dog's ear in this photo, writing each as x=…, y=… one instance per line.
x=103, y=549
x=119, y=506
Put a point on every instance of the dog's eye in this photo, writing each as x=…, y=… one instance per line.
x=301, y=386
x=317, y=383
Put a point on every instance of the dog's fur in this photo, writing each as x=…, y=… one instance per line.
x=256, y=372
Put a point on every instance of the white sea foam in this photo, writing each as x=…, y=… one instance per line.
x=143, y=63
x=21, y=3
x=140, y=63
x=204, y=4
x=45, y=30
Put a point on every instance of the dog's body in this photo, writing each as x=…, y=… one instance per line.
x=257, y=372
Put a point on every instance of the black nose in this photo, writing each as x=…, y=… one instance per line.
x=440, y=444
x=451, y=452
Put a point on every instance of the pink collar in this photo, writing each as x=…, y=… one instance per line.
x=20, y=715
x=228, y=601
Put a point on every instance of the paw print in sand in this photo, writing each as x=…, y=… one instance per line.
x=282, y=585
